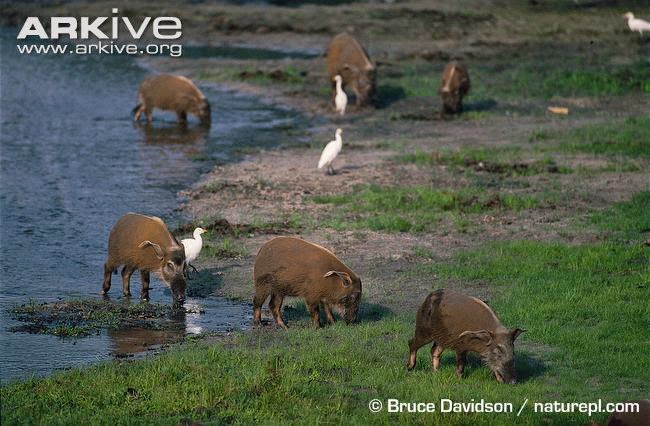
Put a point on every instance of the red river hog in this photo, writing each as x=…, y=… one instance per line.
x=172, y=93
x=288, y=266
x=144, y=243
x=347, y=58
x=454, y=86
x=462, y=323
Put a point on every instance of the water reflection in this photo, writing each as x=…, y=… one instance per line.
x=176, y=134
x=137, y=340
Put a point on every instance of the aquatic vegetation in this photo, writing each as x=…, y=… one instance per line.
x=76, y=318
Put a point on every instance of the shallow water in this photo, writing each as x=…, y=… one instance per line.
x=72, y=162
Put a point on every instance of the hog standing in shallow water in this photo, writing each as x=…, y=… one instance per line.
x=463, y=323
x=145, y=243
x=287, y=266
x=347, y=58
x=172, y=93
x=453, y=87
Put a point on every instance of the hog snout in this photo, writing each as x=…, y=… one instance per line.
x=350, y=314
x=506, y=374
x=177, y=286
x=205, y=115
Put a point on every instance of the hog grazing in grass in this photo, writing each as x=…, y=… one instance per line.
x=287, y=266
x=454, y=86
x=144, y=243
x=172, y=93
x=347, y=58
x=463, y=323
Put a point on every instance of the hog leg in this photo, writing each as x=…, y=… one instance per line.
x=357, y=94
x=127, y=271
x=315, y=313
x=420, y=339
x=328, y=313
x=436, y=351
x=333, y=84
x=461, y=359
x=275, y=304
x=148, y=113
x=261, y=293
x=138, y=112
x=144, y=277
x=108, y=270
x=182, y=116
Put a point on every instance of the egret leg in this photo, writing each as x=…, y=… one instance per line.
x=187, y=273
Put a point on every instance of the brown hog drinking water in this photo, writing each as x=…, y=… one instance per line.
x=287, y=266
x=464, y=324
x=144, y=243
x=347, y=58
x=172, y=93
x=453, y=87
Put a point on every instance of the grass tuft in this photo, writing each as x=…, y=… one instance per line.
x=416, y=209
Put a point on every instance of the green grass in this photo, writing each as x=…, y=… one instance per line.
x=630, y=137
x=224, y=248
x=502, y=161
x=632, y=219
x=585, y=308
x=401, y=209
x=531, y=80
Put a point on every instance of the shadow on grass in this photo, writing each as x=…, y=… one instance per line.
x=368, y=312
x=527, y=367
x=477, y=106
x=388, y=94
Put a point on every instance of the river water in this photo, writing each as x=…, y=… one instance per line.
x=71, y=163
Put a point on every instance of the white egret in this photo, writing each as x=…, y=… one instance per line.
x=341, y=99
x=330, y=152
x=636, y=24
x=193, y=246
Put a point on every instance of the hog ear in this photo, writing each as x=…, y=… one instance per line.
x=473, y=337
x=352, y=68
x=344, y=276
x=159, y=251
x=516, y=332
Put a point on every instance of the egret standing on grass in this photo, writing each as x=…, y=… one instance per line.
x=636, y=24
x=193, y=246
x=330, y=152
x=341, y=99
